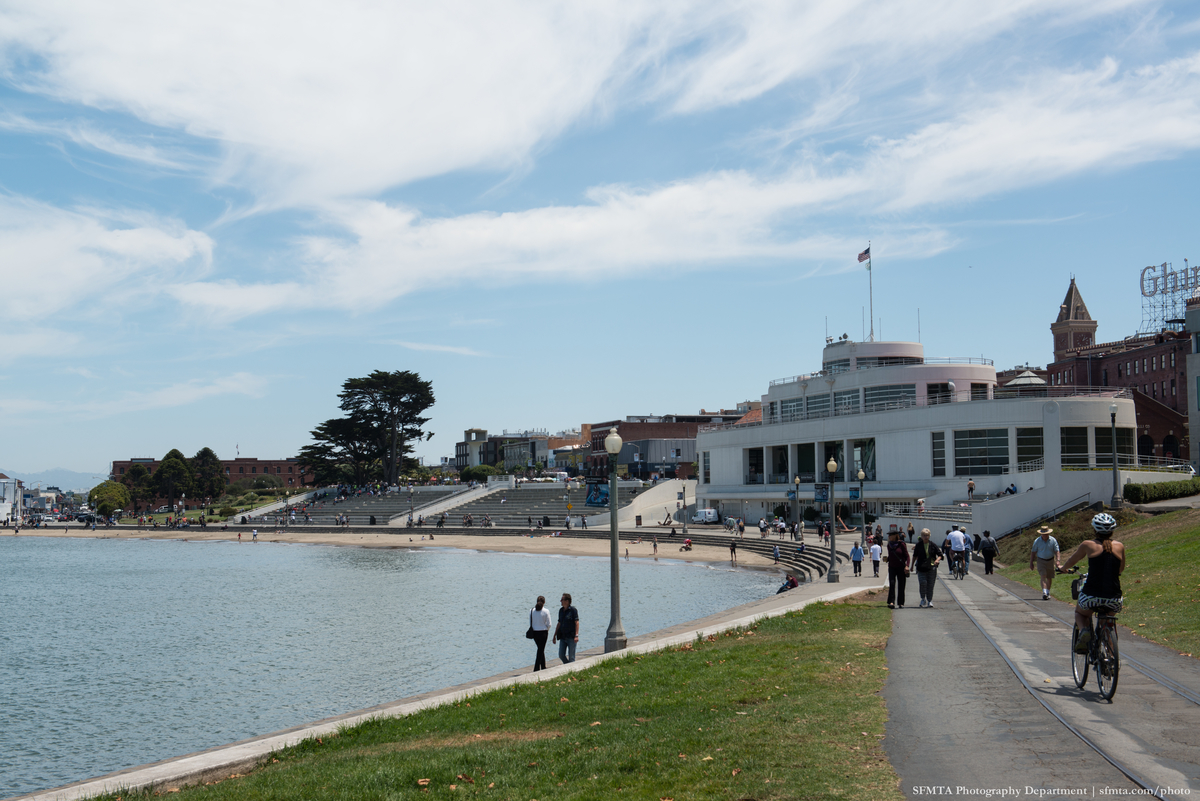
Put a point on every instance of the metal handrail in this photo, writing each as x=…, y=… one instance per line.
x=960, y=396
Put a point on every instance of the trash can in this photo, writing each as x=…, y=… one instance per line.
x=546, y=521
x=637, y=521
x=372, y=520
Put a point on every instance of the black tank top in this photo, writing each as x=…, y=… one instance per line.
x=1104, y=576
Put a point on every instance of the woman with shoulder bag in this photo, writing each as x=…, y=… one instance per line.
x=989, y=548
x=539, y=630
x=897, y=561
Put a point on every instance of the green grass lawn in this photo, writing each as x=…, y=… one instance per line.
x=791, y=708
x=1161, y=581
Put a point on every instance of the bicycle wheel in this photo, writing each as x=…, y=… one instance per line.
x=1079, y=662
x=1108, y=661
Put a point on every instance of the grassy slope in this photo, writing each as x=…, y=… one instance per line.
x=1161, y=580
x=788, y=709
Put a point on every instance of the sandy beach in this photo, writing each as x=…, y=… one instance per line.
x=411, y=538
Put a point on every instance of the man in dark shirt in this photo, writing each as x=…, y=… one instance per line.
x=566, y=634
x=926, y=556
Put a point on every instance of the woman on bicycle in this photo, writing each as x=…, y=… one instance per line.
x=1102, y=590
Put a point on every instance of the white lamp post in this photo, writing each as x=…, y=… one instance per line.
x=862, y=503
x=1116, y=498
x=614, y=638
x=832, y=574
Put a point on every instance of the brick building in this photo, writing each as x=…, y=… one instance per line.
x=289, y=472
x=662, y=446
x=1153, y=365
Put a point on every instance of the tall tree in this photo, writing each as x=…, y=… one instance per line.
x=392, y=404
x=342, y=446
x=173, y=477
x=209, y=474
x=108, y=497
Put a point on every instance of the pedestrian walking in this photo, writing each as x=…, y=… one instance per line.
x=876, y=553
x=539, y=625
x=926, y=557
x=989, y=548
x=856, y=556
x=254, y=535
x=733, y=551
x=1044, y=556
x=566, y=633
x=897, y=557
x=911, y=531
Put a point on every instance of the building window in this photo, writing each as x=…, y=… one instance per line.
x=1172, y=387
x=982, y=451
x=1136, y=371
x=226, y=471
x=254, y=469
x=1172, y=358
x=892, y=396
x=1030, y=447
x=979, y=392
x=1144, y=363
x=241, y=469
x=939, y=452
x=1119, y=374
x=1153, y=362
x=846, y=402
x=817, y=406
x=791, y=409
x=1104, y=377
x=707, y=468
x=1125, y=446
x=1164, y=389
x=1074, y=446
x=122, y=471
x=289, y=469
x=1154, y=390
x=937, y=393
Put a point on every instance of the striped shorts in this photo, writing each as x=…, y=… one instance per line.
x=1100, y=604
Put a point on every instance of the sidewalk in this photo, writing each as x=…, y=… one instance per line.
x=222, y=762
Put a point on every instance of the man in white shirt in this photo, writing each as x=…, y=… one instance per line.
x=958, y=546
x=876, y=554
x=1044, y=555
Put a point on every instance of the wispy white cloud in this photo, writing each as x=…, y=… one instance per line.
x=89, y=136
x=173, y=396
x=419, y=346
x=58, y=259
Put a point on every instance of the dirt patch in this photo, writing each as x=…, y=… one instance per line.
x=457, y=741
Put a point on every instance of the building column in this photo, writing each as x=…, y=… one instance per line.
x=1091, y=446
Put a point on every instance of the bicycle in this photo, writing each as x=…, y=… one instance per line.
x=958, y=568
x=1103, y=655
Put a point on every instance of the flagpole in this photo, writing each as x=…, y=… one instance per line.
x=871, y=289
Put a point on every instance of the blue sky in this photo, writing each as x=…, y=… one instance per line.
x=212, y=215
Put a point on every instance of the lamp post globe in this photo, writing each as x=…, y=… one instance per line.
x=1115, y=503
x=614, y=638
x=831, y=575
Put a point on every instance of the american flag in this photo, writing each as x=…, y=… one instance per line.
x=866, y=254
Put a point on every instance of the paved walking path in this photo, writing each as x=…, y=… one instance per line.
x=221, y=762
x=958, y=716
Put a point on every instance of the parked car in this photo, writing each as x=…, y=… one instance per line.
x=706, y=516
x=162, y=509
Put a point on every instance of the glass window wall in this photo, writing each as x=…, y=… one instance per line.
x=980, y=451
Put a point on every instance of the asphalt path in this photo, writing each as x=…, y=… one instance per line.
x=959, y=718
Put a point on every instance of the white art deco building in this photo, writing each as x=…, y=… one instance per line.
x=918, y=429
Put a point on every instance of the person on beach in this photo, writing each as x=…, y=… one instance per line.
x=776, y=554
x=566, y=633
x=733, y=551
x=539, y=621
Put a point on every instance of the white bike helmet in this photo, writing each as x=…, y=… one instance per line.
x=1104, y=523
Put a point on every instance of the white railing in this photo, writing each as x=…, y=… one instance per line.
x=952, y=514
x=960, y=396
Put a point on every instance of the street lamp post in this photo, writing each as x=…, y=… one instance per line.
x=796, y=500
x=614, y=638
x=862, y=504
x=832, y=574
x=684, y=481
x=1116, y=498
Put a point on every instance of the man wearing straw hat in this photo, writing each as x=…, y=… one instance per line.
x=1044, y=556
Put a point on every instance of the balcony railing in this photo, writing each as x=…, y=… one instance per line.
x=754, y=478
x=960, y=396
x=795, y=379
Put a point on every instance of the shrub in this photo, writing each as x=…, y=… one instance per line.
x=227, y=511
x=810, y=514
x=1163, y=491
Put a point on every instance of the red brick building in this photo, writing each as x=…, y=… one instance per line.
x=288, y=471
x=1153, y=365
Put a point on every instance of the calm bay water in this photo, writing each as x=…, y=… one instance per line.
x=115, y=653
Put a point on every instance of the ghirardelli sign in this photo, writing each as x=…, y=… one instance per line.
x=1157, y=283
